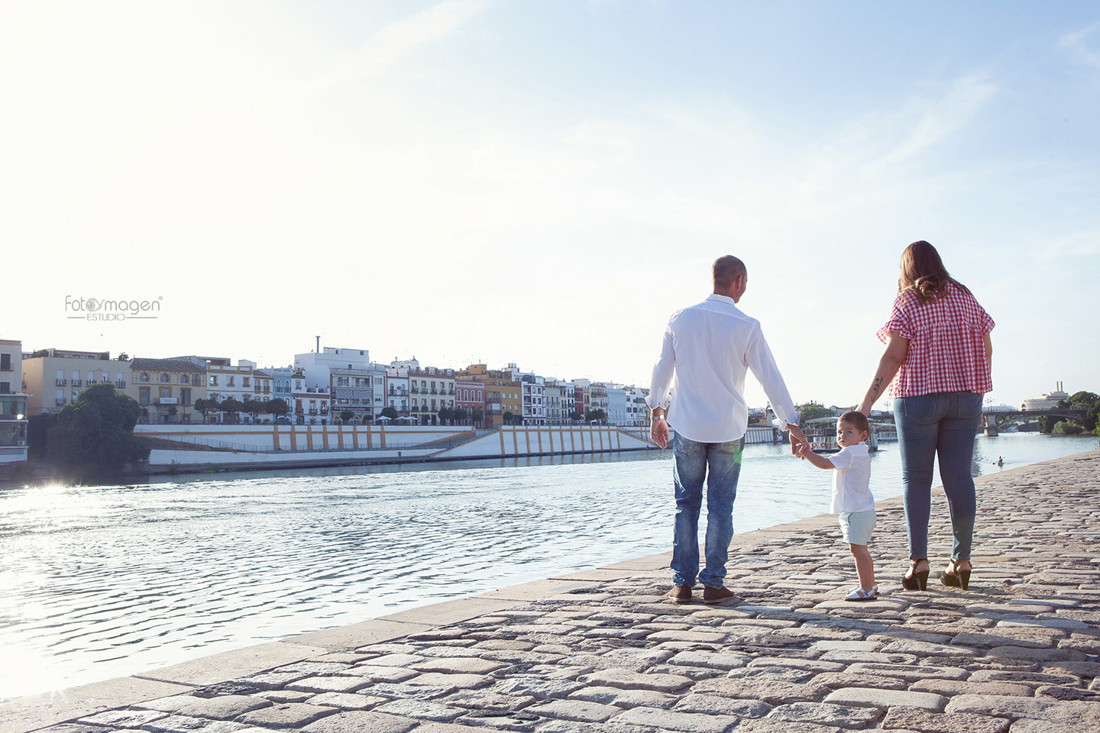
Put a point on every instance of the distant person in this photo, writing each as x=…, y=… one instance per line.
x=1000, y=461
x=707, y=350
x=852, y=497
x=937, y=363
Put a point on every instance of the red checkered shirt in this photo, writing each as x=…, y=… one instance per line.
x=946, y=348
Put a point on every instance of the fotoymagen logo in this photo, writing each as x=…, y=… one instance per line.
x=108, y=309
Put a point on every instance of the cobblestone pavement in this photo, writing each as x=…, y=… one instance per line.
x=604, y=651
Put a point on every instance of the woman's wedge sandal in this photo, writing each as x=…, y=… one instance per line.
x=914, y=580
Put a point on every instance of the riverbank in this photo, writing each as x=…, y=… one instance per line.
x=601, y=649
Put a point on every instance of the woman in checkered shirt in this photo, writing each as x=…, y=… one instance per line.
x=937, y=358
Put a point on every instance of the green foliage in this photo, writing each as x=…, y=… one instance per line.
x=1065, y=427
x=597, y=415
x=277, y=407
x=346, y=416
x=1082, y=400
x=93, y=437
x=477, y=415
x=389, y=412
x=813, y=411
x=1046, y=424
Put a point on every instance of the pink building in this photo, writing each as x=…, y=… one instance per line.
x=470, y=396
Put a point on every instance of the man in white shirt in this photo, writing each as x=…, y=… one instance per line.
x=707, y=350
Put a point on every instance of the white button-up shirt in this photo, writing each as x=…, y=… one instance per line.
x=707, y=350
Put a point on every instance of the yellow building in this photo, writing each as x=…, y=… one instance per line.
x=503, y=394
x=167, y=389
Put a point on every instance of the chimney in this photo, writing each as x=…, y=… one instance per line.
x=318, y=344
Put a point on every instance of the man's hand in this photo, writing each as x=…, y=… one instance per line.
x=797, y=438
x=658, y=431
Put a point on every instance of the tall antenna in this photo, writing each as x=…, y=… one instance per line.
x=318, y=344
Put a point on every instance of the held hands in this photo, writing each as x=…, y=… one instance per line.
x=798, y=439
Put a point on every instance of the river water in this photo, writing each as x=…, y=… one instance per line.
x=105, y=581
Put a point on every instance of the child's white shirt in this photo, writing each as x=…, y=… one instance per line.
x=852, y=479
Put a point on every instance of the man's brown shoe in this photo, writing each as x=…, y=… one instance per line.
x=716, y=595
x=680, y=594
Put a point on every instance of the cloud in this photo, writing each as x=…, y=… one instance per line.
x=400, y=40
x=1076, y=44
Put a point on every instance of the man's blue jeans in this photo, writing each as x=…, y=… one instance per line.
x=720, y=465
x=942, y=424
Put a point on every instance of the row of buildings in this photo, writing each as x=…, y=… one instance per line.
x=326, y=386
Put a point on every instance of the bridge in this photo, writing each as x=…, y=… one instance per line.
x=992, y=421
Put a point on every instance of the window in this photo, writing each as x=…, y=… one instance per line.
x=105, y=377
x=5, y=388
x=231, y=382
x=165, y=391
x=213, y=382
x=245, y=382
x=91, y=377
x=143, y=396
x=5, y=362
x=185, y=396
x=61, y=376
x=165, y=377
x=145, y=376
x=183, y=379
x=60, y=396
x=120, y=380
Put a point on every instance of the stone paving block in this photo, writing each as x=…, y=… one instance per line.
x=519, y=721
x=124, y=718
x=631, y=680
x=778, y=674
x=346, y=700
x=836, y=645
x=701, y=637
x=395, y=660
x=1037, y=655
x=275, y=680
x=917, y=719
x=1020, y=636
x=716, y=705
x=950, y=688
x=667, y=720
x=361, y=722
x=928, y=649
x=826, y=714
x=485, y=700
x=286, y=715
x=771, y=691
x=1033, y=725
x=458, y=665
x=846, y=679
x=624, y=698
x=281, y=696
x=188, y=724
x=329, y=684
x=870, y=697
x=421, y=709
x=910, y=672
x=810, y=665
x=535, y=687
x=1008, y=706
x=400, y=690
x=448, y=728
x=771, y=726
x=582, y=710
x=1034, y=679
x=450, y=681
x=710, y=660
x=225, y=707
x=871, y=657
x=376, y=673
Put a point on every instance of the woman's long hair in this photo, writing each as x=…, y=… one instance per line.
x=922, y=271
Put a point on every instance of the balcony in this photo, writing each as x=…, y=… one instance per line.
x=121, y=383
x=168, y=401
x=62, y=382
x=78, y=383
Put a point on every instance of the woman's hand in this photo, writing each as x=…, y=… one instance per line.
x=896, y=348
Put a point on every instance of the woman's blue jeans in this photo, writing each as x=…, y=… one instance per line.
x=941, y=425
x=720, y=465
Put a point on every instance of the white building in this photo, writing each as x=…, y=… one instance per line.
x=616, y=405
x=1045, y=401
x=317, y=365
x=397, y=389
x=13, y=404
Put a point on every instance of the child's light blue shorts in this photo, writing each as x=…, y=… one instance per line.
x=857, y=526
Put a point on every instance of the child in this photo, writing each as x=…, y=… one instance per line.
x=852, y=497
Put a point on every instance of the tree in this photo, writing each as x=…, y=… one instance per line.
x=1046, y=424
x=276, y=407
x=346, y=416
x=231, y=406
x=477, y=415
x=123, y=357
x=1065, y=427
x=253, y=407
x=445, y=414
x=576, y=416
x=389, y=412
x=204, y=407
x=595, y=416
x=459, y=415
x=814, y=411
x=93, y=437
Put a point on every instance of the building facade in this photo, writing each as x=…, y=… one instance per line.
x=53, y=378
x=503, y=395
x=13, y=404
x=167, y=389
x=430, y=390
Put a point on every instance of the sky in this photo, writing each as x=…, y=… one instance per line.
x=545, y=183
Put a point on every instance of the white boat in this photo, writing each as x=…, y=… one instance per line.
x=821, y=432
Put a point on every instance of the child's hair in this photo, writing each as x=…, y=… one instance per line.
x=857, y=420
